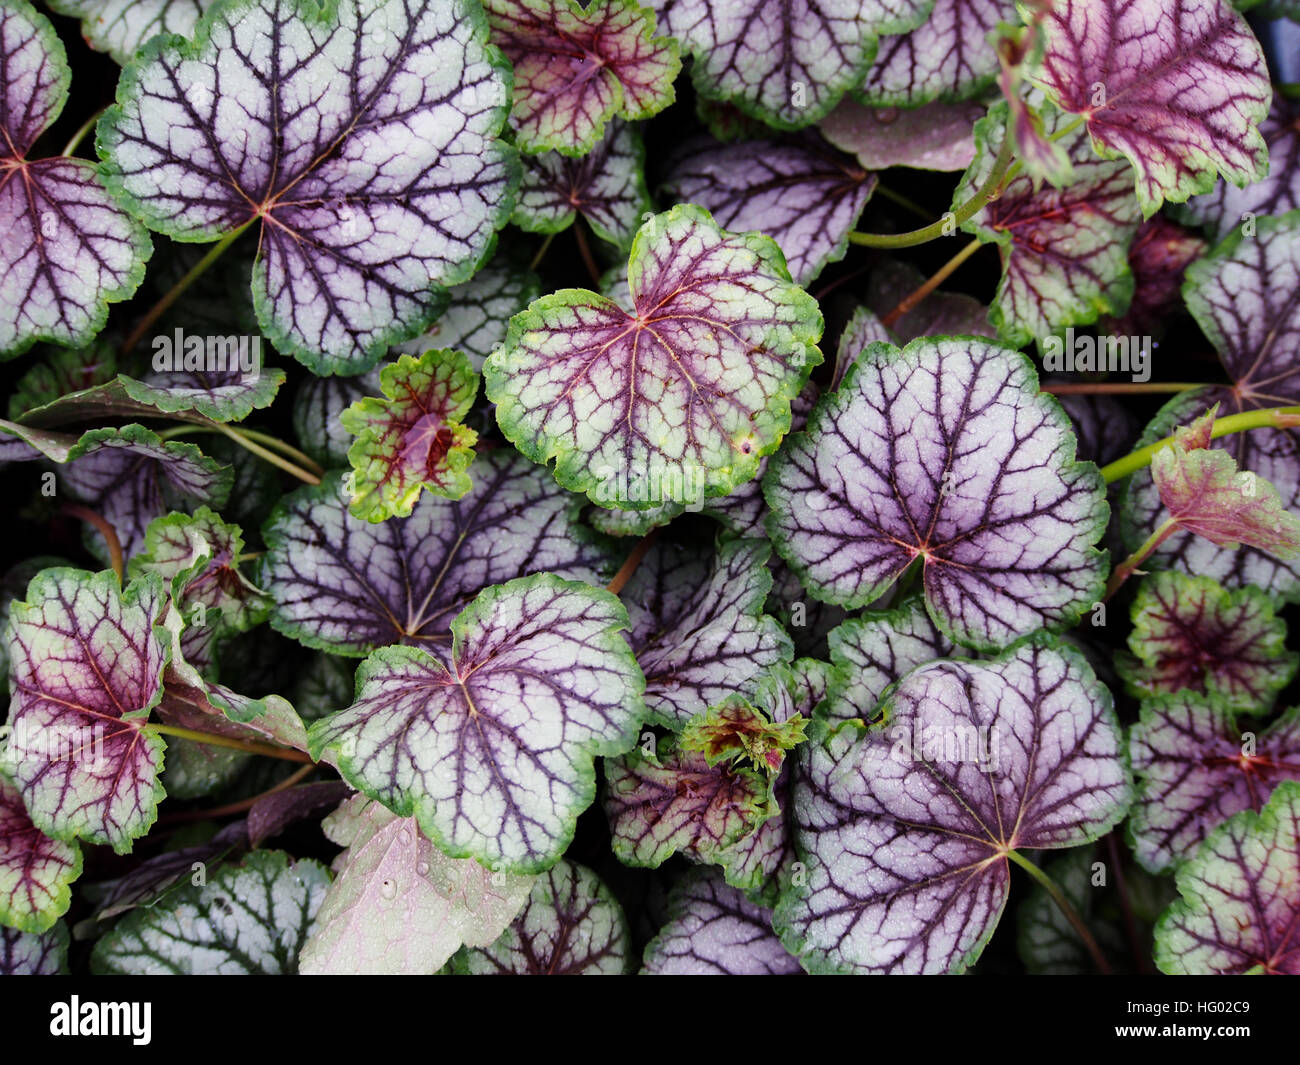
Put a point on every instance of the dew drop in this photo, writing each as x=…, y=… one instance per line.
x=422, y=868
x=388, y=889
x=886, y=115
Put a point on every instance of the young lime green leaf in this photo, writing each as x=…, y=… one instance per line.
x=412, y=438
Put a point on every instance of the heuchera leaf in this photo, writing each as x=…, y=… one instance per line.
x=576, y=67
x=1047, y=942
x=345, y=586
x=906, y=836
x=60, y=372
x=606, y=186
x=1196, y=767
x=1240, y=897
x=1178, y=89
x=571, y=925
x=225, y=395
x=362, y=135
x=412, y=438
x=943, y=452
x=249, y=918
x=316, y=408
x=739, y=732
x=69, y=250
x=35, y=870
x=713, y=930
x=34, y=954
x=694, y=384
x=787, y=64
x=800, y=192
x=934, y=137
x=398, y=905
x=1064, y=251
x=121, y=27
x=698, y=627
x=939, y=314
x=1158, y=257
x=1192, y=633
x=944, y=58
x=86, y=668
x=489, y=743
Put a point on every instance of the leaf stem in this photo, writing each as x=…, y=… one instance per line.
x=1125, y=569
x=80, y=135
x=213, y=740
x=247, y=439
x=628, y=568
x=296, y=777
x=174, y=293
x=106, y=530
x=1263, y=418
x=990, y=190
x=1071, y=914
x=941, y=275
x=541, y=252
x=584, y=249
x=1106, y=388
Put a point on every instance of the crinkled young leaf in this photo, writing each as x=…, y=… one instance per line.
x=571, y=925
x=906, y=835
x=1240, y=897
x=577, y=67
x=736, y=731
x=787, y=63
x=1064, y=250
x=1196, y=767
x=698, y=627
x=34, y=954
x=693, y=385
x=713, y=930
x=86, y=668
x=489, y=743
x=345, y=586
x=1227, y=207
x=121, y=27
x=800, y=192
x=69, y=248
x=934, y=137
x=413, y=437
x=606, y=186
x=1179, y=89
x=479, y=312
x=251, y=917
x=35, y=870
x=1192, y=633
x=1158, y=257
x=398, y=905
x=944, y=58
x=362, y=134
x=943, y=451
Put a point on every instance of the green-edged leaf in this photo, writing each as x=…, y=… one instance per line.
x=34, y=953
x=35, y=870
x=121, y=27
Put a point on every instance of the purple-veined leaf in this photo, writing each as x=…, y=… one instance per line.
x=250, y=917
x=363, y=139
x=945, y=58
x=1047, y=942
x=713, y=930
x=934, y=137
x=1158, y=258
x=606, y=186
x=412, y=438
x=223, y=395
x=60, y=372
x=577, y=67
x=571, y=925
x=13, y=585
x=1192, y=633
x=69, y=249
x=121, y=27
x=727, y=122
x=1179, y=89
x=906, y=835
x=1240, y=295
x=1104, y=428
x=787, y=63
x=1227, y=207
x=35, y=871
x=399, y=906
x=346, y=586
x=943, y=452
x=489, y=743
x=799, y=191
x=86, y=663
x=316, y=408
x=1064, y=250
x=276, y=811
x=698, y=627
x=1196, y=767
x=34, y=953
x=688, y=390
x=1240, y=897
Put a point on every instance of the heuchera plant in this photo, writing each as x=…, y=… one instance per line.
x=533, y=486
